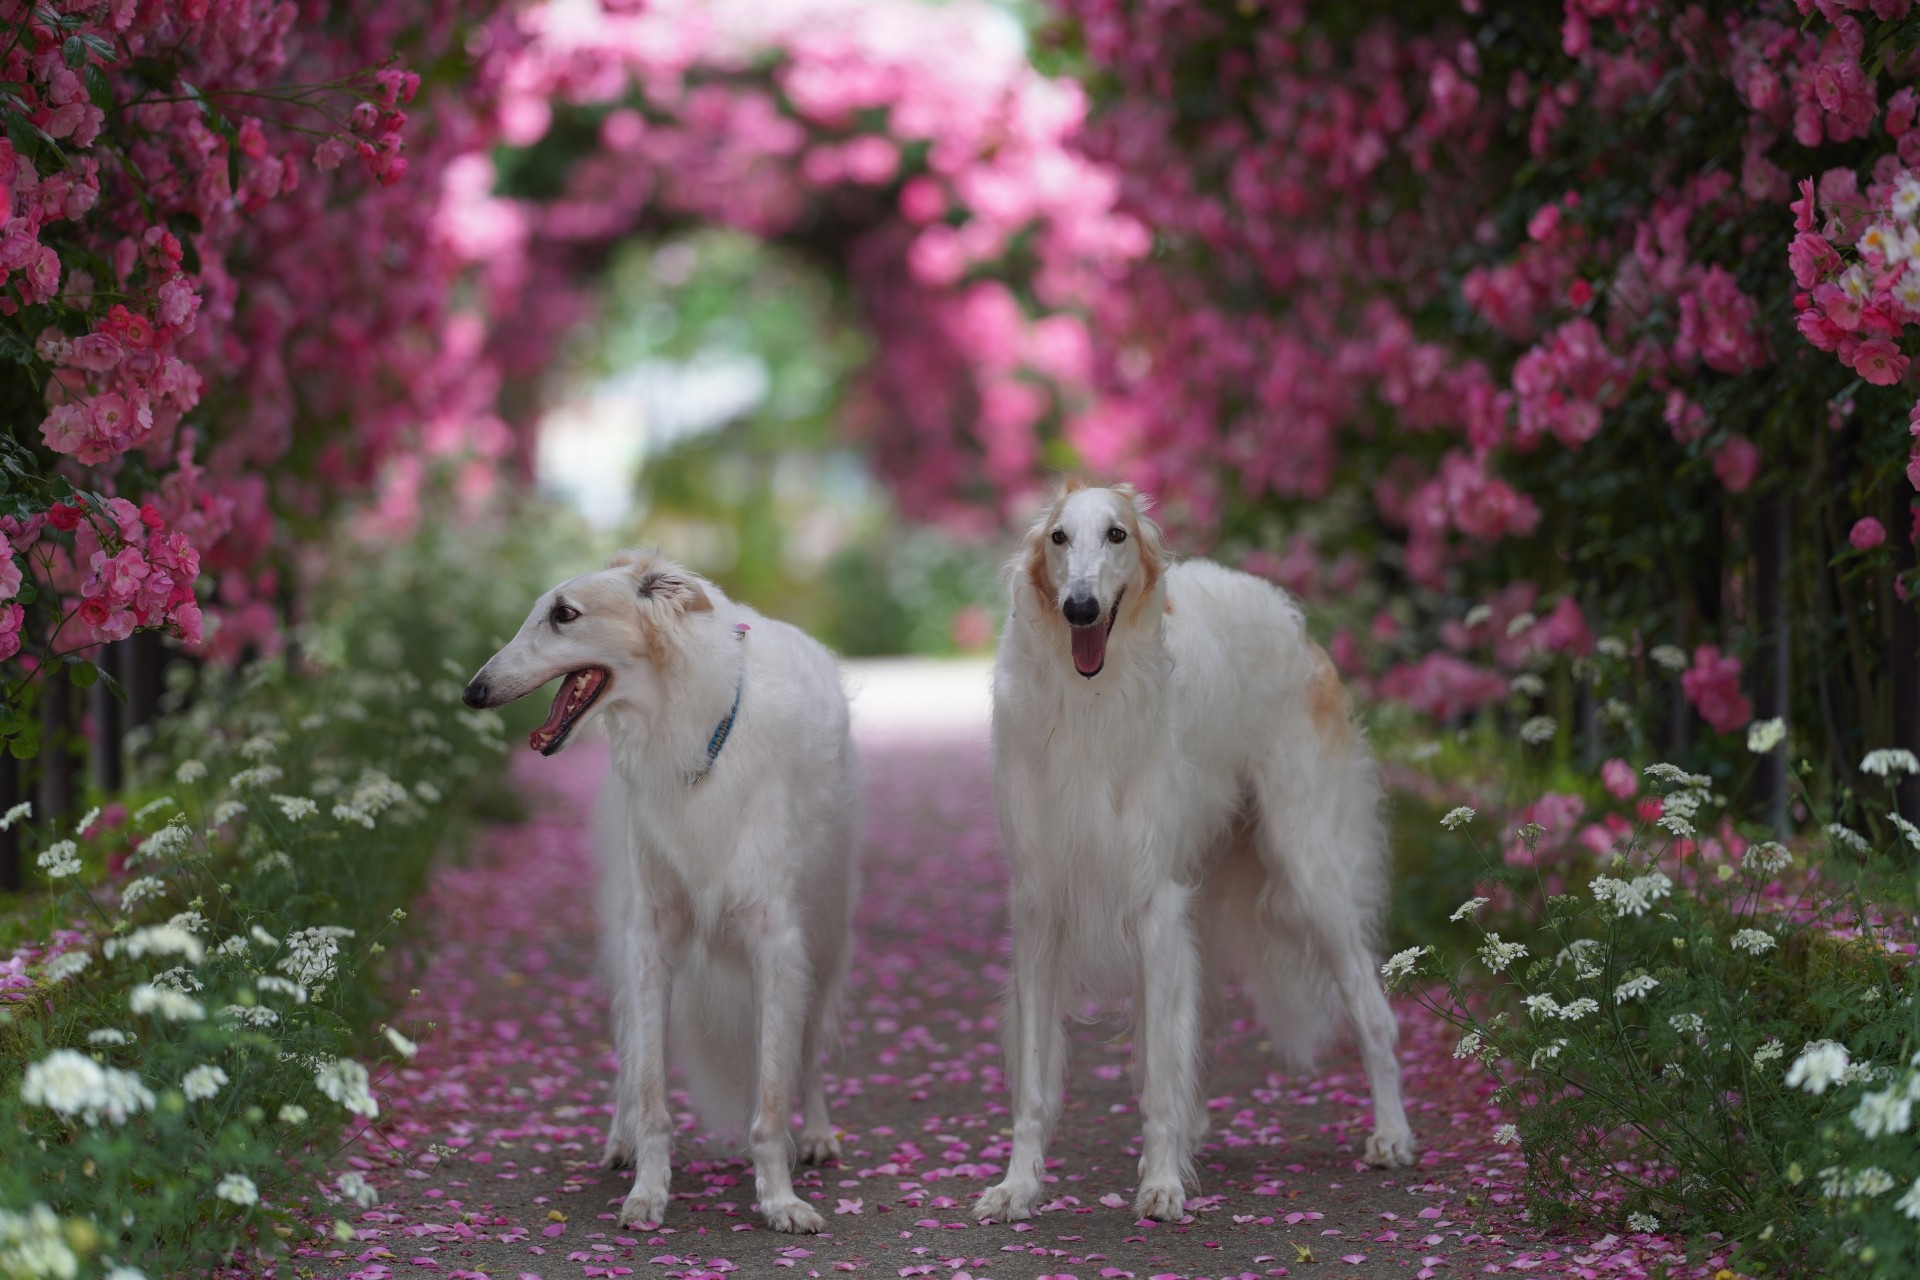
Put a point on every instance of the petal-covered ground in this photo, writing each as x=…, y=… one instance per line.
x=485, y=1151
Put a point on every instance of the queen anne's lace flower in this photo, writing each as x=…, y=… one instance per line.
x=69, y=1083
x=237, y=1188
x=1820, y=1066
x=1634, y=988
x=1468, y=907
x=59, y=860
x=1883, y=1111
x=346, y=1082
x=1886, y=762
x=1457, y=818
x=1753, y=941
x=157, y=940
x=1497, y=955
x=161, y=1002
x=202, y=1082
x=1404, y=962
x=1764, y=735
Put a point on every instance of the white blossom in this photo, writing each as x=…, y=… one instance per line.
x=295, y=808
x=224, y=812
x=257, y=1016
x=1542, y=1003
x=170, y=1005
x=60, y=860
x=167, y=841
x=264, y=775
x=65, y=965
x=1767, y=858
x=1770, y=1051
x=1403, y=963
x=1888, y=761
x=1468, y=1046
x=157, y=940
x=33, y=1243
x=19, y=813
x=1642, y=1223
x=293, y=1113
x=139, y=889
x=1906, y=829
x=1764, y=735
x=1497, y=955
x=1468, y=907
x=238, y=1188
x=1686, y=1023
x=1538, y=730
x=313, y=954
x=202, y=1082
x=69, y=1083
x=354, y=1186
x=1457, y=818
x=346, y=1082
x=108, y=1037
x=1883, y=1111
x=1506, y=1135
x=1635, y=988
x=401, y=1045
x=1753, y=941
x=152, y=807
x=1909, y=1203
x=87, y=820
x=1820, y=1065
x=1670, y=656
x=189, y=772
x=1847, y=838
x=1578, y=1009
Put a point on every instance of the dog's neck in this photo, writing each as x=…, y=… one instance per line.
x=664, y=744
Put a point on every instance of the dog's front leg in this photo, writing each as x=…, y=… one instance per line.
x=781, y=979
x=1036, y=1062
x=1169, y=1051
x=648, y=990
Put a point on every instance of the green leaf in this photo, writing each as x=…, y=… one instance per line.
x=113, y=686
x=83, y=674
x=27, y=594
x=98, y=89
x=74, y=52
x=23, y=748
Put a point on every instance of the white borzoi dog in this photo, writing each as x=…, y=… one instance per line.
x=1183, y=797
x=727, y=831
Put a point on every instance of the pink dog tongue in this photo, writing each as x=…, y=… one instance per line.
x=1089, y=648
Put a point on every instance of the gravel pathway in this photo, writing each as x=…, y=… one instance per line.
x=484, y=1153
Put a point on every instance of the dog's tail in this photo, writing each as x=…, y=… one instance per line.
x=1281, y=973
x=713, y=1039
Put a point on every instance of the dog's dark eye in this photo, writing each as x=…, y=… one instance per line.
x=1116, y=534
x=1059, y=537
x=563, y=613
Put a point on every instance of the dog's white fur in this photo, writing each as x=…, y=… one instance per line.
x=1203, y=807
x=725, y=902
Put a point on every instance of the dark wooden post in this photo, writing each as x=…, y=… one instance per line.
x=142, y=667
x=1774, y=653
x=12, y=873
x=1903, y=653
x=108, y=728
x=57, y=757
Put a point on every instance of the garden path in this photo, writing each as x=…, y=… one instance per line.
x=512, y=1085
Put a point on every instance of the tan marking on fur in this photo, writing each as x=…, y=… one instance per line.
x=1145, y=536
x=655, y=637
x=1327, y=703
x=1039, y=577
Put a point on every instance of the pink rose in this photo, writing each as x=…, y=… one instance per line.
x=1619, y=779
x=1867, y=534
x=1712, y=685
x=1879, y=362
x=1736, y=463
x=12, y=618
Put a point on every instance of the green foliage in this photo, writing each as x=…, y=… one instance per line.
x=287, y=813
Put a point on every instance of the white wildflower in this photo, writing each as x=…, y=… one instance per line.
x=293, y=1113
x=1519, y=622
x=1905, y=828
x=312, y=954
x=124, y=1272
x=191, y=921
x=346, y=1082
x=1468, y=907
x=1766, y=858
x=152, y=807
x=234, y=946
x=108, y=1037
x=1579, y=1009
x=1909, y=1203
x=1888, y=761
x=1670, y=656
x=238, y=1188
x=263, y=775
x=34, y=1243
x=1506, y=1135
x=1403, y=963
x=189, y=772
x=1480, y=613
x=1764, y=735
x=1542, y=1003
x=202, y=1082
x=1632, y=897
x=1820, y=1065
x=277, y=860
x=1457, y=818
x=1546, y=1053
x=1527, y=685
x=1770, y=1051
x=60, y=860
x=1674, y=775
x=257, y=1016
x=167, y=841
x=69, y=1083
x=1634, y=988
x=284, y=986
x=1538, y=730
x=260, y=746
x=179, y=978
x=1676, y=825
x=354, y=1186
x=1686, y=1023
x=65, y=965
x=19, y=813
x=157, y=940
x=1468, y=1046
x=296, y=807
x=224, y=812
x=261, y=936
x=1847, y=838
x=431, y=794
x=401, y=1045
x=1873, y=1181
x=1497, y=955
x=1883, y=1111
x=141, y=888
x=87, y=820
x=1642, y=1223
x=170, y=1005
x=1753, y=941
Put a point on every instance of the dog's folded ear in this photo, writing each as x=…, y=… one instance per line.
x=675, y=588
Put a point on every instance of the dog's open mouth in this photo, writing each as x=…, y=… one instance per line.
x=1090, y=642
x=578, y=689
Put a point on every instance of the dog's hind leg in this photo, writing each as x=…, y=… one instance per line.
x=1036, y=1065
x=777, y=950
x=817, y=1141
x=1169, y=1030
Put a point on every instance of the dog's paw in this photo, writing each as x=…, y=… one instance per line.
x=817, y=1148
x=792, y=1214
x=1007, y=1202
x=1161, y=1201
x=644, y=1208
x=1390, y=1149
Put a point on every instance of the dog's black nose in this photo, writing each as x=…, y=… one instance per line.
x=1081, y=611
x=476, y=694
